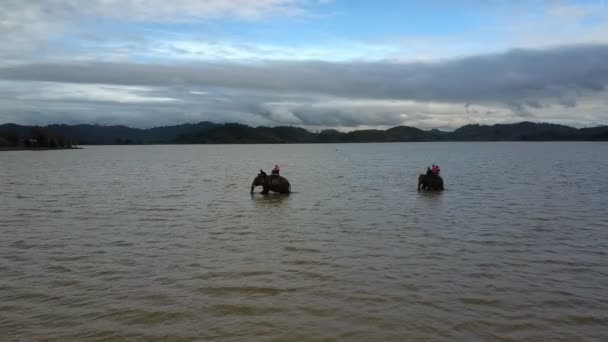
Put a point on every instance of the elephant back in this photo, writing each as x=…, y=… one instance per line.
x=434, y=179
x=277, y=181
x=431, y=181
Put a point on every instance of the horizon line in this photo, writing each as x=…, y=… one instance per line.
x=300, y=127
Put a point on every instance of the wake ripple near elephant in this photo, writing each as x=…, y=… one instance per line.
x=271, y=183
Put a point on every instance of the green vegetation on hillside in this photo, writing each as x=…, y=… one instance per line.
x=231, y=133
x=16, y=136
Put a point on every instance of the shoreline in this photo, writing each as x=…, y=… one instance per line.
x=38, y=148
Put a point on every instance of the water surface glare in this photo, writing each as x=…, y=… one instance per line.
x=164, y=243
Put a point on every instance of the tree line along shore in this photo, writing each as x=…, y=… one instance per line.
x=33, y=138
x=69, y=136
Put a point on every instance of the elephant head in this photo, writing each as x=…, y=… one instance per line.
x=260, y=180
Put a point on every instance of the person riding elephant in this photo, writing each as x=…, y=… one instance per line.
x=276, y=170
x=274, y=183
x=431, y=180
x=436, y=170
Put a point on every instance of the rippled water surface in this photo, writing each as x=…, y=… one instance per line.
x=164, y=243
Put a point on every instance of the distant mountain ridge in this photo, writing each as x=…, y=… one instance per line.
x=233, y=133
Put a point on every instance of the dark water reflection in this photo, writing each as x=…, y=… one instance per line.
x=165, y=243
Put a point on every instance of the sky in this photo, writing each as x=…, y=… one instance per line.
x=316, y=64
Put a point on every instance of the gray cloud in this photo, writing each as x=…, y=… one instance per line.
x=517, y=76
x=534, y=104
x=517, y=85
x=568, y=101
x=43, y=103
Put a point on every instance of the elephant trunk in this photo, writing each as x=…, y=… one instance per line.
x=252, y=186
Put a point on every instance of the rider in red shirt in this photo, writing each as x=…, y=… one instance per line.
x=436, y=170
x=276, y=170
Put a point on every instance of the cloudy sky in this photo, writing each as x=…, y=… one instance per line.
x=345, y=64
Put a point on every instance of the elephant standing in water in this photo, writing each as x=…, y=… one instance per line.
x=430, y=182
x=271, y=183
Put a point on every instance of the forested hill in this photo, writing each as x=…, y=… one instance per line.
x=211, y=133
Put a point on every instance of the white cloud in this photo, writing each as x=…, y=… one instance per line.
x=24, y=12
x=327, y=112
x=54, y=91
x=23, y=25
x=27, y=25
x=185, y=10
x=226, y=50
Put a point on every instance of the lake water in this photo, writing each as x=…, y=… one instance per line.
x=165, y=243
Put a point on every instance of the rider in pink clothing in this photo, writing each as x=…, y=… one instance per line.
x=276, y=170
x=436, y=170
